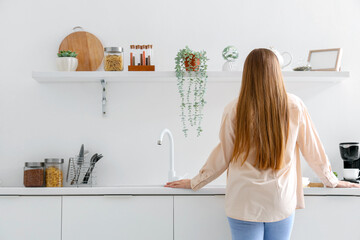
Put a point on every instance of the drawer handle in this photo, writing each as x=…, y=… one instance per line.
x=118, y=196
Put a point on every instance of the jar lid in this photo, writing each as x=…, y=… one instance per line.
x=113, y=49
x=54, y=160
x=34, y=164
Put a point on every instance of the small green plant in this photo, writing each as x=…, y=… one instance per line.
x=67, y=54
x=190, y=69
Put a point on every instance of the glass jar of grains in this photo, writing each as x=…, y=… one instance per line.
x=113, y=59
x=54, y=172
x=34, y=174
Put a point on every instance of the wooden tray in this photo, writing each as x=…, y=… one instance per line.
x=316, y=185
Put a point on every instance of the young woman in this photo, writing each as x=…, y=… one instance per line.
x=260, y=137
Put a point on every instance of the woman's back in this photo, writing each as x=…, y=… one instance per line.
x=267, y=195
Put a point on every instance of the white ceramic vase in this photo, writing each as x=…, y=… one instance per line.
x=66, y=63
x=230, y=66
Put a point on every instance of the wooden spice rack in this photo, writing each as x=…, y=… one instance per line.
x=141, y=68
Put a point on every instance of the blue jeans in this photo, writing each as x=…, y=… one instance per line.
x=244, y=230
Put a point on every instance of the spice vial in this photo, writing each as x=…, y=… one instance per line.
x=150, y=56
x=113, y=59
x=131, y=55
x=137, y=55
x=34, y=174
x=54, y=172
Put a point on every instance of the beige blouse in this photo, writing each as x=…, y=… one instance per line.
x=266, y=195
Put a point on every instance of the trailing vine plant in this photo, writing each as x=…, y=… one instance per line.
x=190, y=68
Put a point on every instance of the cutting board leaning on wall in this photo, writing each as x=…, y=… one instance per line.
x=88, y=47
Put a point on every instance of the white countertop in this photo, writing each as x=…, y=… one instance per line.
x=118, y=190
x=153, y=190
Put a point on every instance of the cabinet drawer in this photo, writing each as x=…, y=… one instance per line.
x=30, y=218
x=117, y=217
x=327, y=217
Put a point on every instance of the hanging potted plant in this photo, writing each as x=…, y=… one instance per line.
x=66, y=61
x=190, y=69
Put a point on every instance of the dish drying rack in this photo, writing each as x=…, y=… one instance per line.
x=80, y=173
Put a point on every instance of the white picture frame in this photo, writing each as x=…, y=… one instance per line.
x=325, y=59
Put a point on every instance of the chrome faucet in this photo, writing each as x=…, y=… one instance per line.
x=172, y=175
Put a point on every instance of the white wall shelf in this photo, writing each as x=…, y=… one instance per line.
x=104, y=77
x=169, y=76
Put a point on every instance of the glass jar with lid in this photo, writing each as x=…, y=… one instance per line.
x=34, y=174
x=54, y=172
x=113, y=59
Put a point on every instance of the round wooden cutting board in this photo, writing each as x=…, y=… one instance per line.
x=88, y=47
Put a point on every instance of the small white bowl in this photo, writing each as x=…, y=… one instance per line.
x=305, y=182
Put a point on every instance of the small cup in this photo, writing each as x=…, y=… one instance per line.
x=351, y=173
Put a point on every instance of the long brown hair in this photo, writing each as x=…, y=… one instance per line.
x=262, y=116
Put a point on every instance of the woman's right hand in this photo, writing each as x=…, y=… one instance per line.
x=345, y=184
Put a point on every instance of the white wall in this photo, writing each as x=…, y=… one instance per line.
x=52, y=120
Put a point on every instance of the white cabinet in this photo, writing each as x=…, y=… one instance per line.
x=30, y=218
x=328, y=217
x=117, y=217
x=158, y=218
x=200, y=217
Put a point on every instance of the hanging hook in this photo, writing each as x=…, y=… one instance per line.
x=78, y=29
x=103, y=99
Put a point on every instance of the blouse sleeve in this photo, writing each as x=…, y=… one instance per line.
x=313, y=151
x=219, y=159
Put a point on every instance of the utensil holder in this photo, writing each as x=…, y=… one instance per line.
x=80, y=173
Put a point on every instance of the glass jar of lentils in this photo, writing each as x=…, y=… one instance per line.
x=34, y=174
x=54, y=172
x=113, y=59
